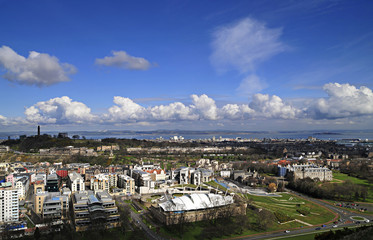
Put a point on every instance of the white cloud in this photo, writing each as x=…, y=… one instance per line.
x=38, y=69
x=173, y=111
x=126, y=109
x=123, y=60
x=244, y=44
x=272, y=107
x=3, y=120
x=59, y=111
x=205, y=107
x=344, y=100
x=235, y=111
x=250, y=85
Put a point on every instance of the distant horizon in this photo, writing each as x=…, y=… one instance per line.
x=151, y=135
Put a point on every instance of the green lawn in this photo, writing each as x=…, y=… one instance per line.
x=345, y=177
x=289, y=204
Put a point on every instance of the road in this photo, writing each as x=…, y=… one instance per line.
x=139, y=223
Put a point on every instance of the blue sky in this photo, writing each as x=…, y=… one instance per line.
x=238, y=65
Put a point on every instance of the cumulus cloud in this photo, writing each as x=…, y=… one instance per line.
x=126, y=109
x=272, y=107
x=122, y=59
x=38, y=69
x=244, y=44
x=344, y=100
x=235, y=111
x=61, y=110
x=202, y=108
x=205, y=106
x=173, y=111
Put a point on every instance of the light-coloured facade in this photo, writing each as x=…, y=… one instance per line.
x=75, y=182
x=9, y=205
x=305, y=170
x=22, y=184
x=51, y=204
x=127, y=183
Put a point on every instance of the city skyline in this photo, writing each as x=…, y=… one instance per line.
x=186, y=65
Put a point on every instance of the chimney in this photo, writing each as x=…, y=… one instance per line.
x=39, y=130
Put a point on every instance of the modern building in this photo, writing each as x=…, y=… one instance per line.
x=75, y=182
x=196, y=207
x=52, y=183
x=94, y=209
x=157, y=174
x=143, y=181
x=100, y=182
x=51, y=205
x=127, y=183
x=22, y=184
x=39, y=186
x=9, y=205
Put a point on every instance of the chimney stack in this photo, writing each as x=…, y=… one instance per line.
x=38, y=130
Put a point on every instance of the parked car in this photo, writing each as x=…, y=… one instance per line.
x=335, y=226
x=286, y=231
x=319, y=228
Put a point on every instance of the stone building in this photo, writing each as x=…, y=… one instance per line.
x=305, y=170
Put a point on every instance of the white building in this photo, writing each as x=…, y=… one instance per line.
x=127, y=183
x=9, y=205
x=225, y=173
x=22, y=185
x=75, y=182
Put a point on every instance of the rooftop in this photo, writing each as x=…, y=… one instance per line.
x=196, y=201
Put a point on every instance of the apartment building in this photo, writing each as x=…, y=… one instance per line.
x=75, y=182
x=51, y=205
x=127, y=183
x=95, y=209
x=9, y=205
x=22, y=184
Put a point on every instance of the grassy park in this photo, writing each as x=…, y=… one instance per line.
x=291, y=206
x=340, y=178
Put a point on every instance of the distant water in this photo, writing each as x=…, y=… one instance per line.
x=323, y=135
x=246, y=136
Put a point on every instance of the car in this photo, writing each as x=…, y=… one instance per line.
x=367, y=220
x=358, y=222
x=335, y=226
x=286, y=231
x=319, y=228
